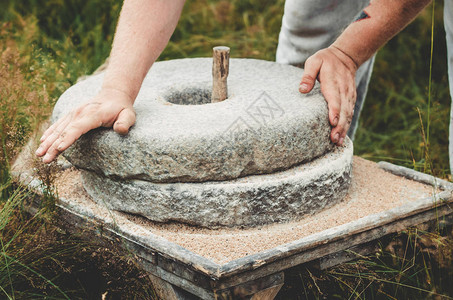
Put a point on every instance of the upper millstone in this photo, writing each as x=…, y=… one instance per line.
x=264, y=126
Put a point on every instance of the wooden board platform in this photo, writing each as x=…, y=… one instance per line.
x=182, y=274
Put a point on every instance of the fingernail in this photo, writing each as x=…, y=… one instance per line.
x=42, y=138
x=336, y=137
x=60, y=147
x=303, y=87
x=341, y=141
x=335, y=122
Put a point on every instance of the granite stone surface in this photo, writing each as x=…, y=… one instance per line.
x=248, y=201
x=264, y=126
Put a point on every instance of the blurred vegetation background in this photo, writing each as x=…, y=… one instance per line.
x=47, y=44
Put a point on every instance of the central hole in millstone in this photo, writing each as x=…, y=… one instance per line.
x=189, y=96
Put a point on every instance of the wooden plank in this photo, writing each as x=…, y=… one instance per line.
x=267, y=294
x=151, y=242
x=313, y=247
x=177, y=281
x=248, y=289
x=185, y=271
x=146, y=258
x=167, y=291
x=145, y=252
x=373, y=246
x=163, y=289
x=337, y=233
x=174, y=251
x=348, y=254
x=193, y=280
x=414, y=175
x=305, y=257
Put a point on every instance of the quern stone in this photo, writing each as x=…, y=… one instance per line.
x=248, y=201
x=264, y=126
x=263, y=155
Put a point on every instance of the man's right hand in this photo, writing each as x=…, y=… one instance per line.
x=110, y=108
x=336, y=73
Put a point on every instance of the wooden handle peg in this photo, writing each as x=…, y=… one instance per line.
x=220, y=68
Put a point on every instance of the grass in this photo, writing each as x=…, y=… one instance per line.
x=40, y=261
x=46, y=45
x=415, y=264
x=403, y=83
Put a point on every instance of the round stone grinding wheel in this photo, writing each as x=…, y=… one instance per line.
x=264, y=126
x=263, y=155
x=244, y=202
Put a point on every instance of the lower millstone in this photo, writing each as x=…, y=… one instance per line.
x=248, y=201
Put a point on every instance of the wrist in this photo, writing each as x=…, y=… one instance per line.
x=109, y=92
x=344, y=57
x=116, y=80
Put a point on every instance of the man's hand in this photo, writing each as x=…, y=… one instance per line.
x=336, y=73
x=109, y=108
x=143, y=31
x=335, y=67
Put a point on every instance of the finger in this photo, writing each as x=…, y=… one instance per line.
x=125, y=120
x=69, y=135
x=51, y=153
x=53, y=126
x=53, y=135
x=348, y=106
x=334, y=106
x=345, y=118
x=331, y=93
x=311, y=71
x=74, y=130
x=49, y=130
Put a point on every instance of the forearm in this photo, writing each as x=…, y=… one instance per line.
x=380, y=21
x=143, y=31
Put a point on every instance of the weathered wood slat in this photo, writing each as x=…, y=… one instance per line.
x=371, y=246
x=323, y=250
x=178, y=281
x=267, y=294
x=167, y=291
x=362, y=230
x=414, y=175
x=184, y=271
x=146, y=252
x=250, y=288
x=349, y=254
x=153, y=242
